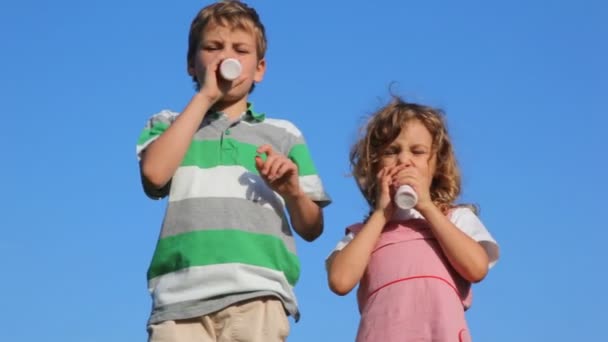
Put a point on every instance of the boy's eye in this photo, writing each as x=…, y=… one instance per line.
x=242, y=50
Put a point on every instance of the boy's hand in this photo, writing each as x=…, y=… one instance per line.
x=214, y=87
x=278, y=171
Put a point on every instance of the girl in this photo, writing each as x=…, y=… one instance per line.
x=414, y=267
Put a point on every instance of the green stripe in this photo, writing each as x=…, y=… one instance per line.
x=211, y=247
x=301, y=156
x=230, y=152
x=157, y=129
x=211, y=153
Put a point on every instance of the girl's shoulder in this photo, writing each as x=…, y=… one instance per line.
x=354, y=228
x=460, y=212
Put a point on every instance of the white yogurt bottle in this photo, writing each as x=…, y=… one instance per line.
x=406, y=197
x=230, y=69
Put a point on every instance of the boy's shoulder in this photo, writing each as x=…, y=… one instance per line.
x=164, y=115
x=283, y=124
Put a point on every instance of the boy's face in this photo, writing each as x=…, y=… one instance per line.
x=226, y=42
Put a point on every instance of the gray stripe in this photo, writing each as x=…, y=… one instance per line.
x=165, y=116
x=196, y=214
x=197, y=308
x=251, y=133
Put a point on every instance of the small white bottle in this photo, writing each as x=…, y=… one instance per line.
x=406, y=197
x=230, y=69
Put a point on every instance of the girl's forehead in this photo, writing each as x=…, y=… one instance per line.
x=414, y=131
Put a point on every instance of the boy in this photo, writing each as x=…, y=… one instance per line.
x=225, y=263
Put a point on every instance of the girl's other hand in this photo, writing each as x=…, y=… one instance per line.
x=386, y=190
x=417, y=180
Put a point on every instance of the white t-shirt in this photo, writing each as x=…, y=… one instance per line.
x=462, y=217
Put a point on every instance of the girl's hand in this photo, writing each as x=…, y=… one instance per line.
x=386, y=190
x=417, y=180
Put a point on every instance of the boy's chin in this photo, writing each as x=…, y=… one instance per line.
x=235, y=95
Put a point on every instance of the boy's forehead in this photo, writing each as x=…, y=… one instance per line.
x=223, y=30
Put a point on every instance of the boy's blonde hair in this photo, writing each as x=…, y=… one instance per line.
x=383, y=128
x=229, y=13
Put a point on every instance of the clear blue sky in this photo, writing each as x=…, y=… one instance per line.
x=524, y=84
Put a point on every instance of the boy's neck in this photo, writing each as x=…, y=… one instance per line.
x=234, y=109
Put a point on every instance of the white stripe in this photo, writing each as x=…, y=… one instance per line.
x=288, y=126
x=222, y=182
x=143, y=146
x=165, y=114
x=203, y=282
x=313, y=187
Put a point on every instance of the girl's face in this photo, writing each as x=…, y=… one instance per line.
x=412, y=148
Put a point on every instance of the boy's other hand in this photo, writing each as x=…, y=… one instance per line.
x=278, y=171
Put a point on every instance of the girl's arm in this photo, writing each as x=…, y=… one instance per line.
x=346, y=267
x=466, y=255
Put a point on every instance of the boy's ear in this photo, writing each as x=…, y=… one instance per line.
x=260, y=70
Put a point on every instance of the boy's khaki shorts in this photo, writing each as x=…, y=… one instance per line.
x=260, y=319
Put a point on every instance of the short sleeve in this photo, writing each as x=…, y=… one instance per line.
x=310, y=181
x=348, y=237
x=344, y=241
x=466, y=220
x=153, y=129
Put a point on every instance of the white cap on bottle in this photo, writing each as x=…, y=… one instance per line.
x=406, y=197
x=230, y=69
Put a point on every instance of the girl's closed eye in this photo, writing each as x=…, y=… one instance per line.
x=390, y=151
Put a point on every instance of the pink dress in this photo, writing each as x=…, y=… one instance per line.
x=409, y=291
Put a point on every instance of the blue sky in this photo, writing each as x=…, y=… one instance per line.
x=524, y=85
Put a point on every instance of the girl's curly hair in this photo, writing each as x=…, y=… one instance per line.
x=383, y=128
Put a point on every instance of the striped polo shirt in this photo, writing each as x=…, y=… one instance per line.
x=225, y=236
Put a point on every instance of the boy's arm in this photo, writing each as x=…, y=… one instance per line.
x=163, y=156
x=306, y=216
x=281, y=175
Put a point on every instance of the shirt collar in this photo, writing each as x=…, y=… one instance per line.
x=249, y=115
x=253, y=115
